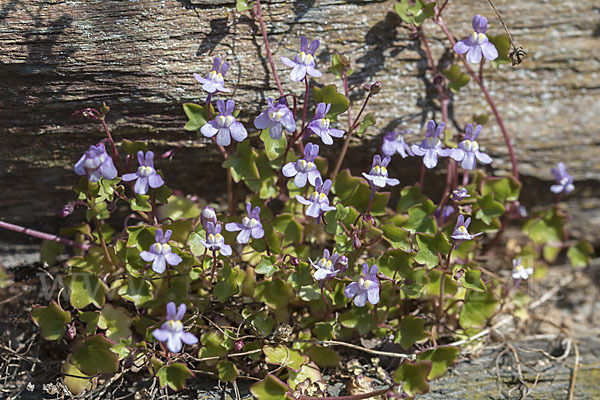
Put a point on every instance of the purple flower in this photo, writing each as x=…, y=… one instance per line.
x=160, y=252
x=146, y=175
x=214, y=240
x=95, y=163
x=304, y=61
x=320, y=125
x=367, y=287
x=520, y=272
x=431, y=147
x=325, y=266
x=564, y=180
x=224, y=125
x=318, y=202
x=250, y=225
x=172, y=330
x=208, y=214
x=393, y=142
x=378, y=175
x=445, y=213
x=460, y=233
x=460, y=194
x=468, y=149
x=477, y=43
x=275, y=117
x=213, y=82
x=304, y=168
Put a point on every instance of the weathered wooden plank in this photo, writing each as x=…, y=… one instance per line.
x=139, y=56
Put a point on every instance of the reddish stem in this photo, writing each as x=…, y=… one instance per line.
x=43, y=235
x=258, y=15
x=351, y=397
x=338, y=164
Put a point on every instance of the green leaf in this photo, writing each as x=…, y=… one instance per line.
x=116, y=321
x=397, y=237
x=289, y=227
x=140, y=237
x=136, y=290
x=324, y=356
x=477, y=309
x=547, y=228
x=275, y=294
x=441, y=358
x=86, y=289
x=50, y=251
x=179, y=207
x=368, y=120
x=243, y=163
x=266, y=266
x=274, y=148
x=93, y=356
x=412, y=330
x=421, y=11
x=243, y=5
x=471, y=279
x=270, y=388
x=323, y=331
x=212, y=345
x=90, y=318
x=420, y=218
x=402, y=9
x=429, y=247
x=197, y=116
x=174, y=376
x=329, y=95
x=489, y=208
x=359, y=318
x=195, y=244
x=413, y=376
x=228, y=372
x=308, y=371
x=409, y=196
x=456, y=79
x=227, y=286
x=75, y=380
x=355, y=192
x=502, y=44
x=504, y=189
x=52, y=320
x=282, y=355
x=132, y=147
x=580, y=254
x=122, y=348
x=141, y=203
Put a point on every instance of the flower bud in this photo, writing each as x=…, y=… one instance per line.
x=342, y=263
x=239, y=345
x=294, y=261
x=208, y=215
x=67, y=210
x=71, y=331
x=368, y=218
x=375, y=88
x=356, y=242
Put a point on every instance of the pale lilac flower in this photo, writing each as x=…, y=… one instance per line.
x=146, y=175
x=95, y=163
x=520, y=272
x=431, y=147
x=304, y=169
x=393, y=142
x=250, y=225
x=378, y=175
x=225, y=125
x=172, y=330
x=445, y=213
x=367, y=287
x=460, y=194
x=214, y=240
x=477, y=43
x=304, y=62
x=275, y=117
x=468, y=149
x=214, y=81
x=325, y=266
x=318, y=202
x=564, y=180
x=461, y=233
x=208, y=214
x=160, y=252
x=320, y=125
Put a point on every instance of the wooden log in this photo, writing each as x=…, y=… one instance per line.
x=139, y=56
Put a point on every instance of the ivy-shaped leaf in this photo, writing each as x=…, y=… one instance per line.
x=274, y=148
x=478, y=307
x=504, y=189
x=441, y=358
x=397, y=237
x=339, y=63
x=413, y=376
x=368, y=120
x=420, y=218
x=243, y=163
x=489, y=208
x=93, y=356
x=429, y=247
x=580, y=253
x=270, y=388
x=471, y=279
x=137, y=290
x=116, y=321
x=289, y=227
x=227, y=370
x=329, y=95
x=197, y=116
x=227, y=285
x=174, y=376
x=502, y=44
x=52, y=320
x=456, y=79
x=411, y=331
x=85, y=289
x=282, y=355
x=243, y=5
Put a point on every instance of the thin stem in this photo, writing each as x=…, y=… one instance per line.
x=441, y=300
x=214, y=267
x=267, y=246
x=440, y=22
x=110, y=139
x=422, y=176
x=371, y=197
x=305, y=102
x=43, y=235
x=503, y=23
x=357, y=119
x=340, y=159
x=256, y=11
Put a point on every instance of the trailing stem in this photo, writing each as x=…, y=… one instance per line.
x=340, y=159
x=515, y=169
x=256, y=11
x=43, y=235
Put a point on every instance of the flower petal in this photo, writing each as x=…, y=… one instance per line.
x=159, y=264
